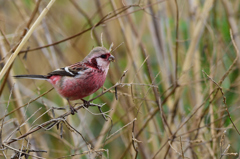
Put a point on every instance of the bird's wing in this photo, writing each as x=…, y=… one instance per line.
x=72, y=71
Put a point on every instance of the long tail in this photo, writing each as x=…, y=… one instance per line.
x=40, y=77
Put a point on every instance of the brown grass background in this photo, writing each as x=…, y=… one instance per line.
x=176, y=72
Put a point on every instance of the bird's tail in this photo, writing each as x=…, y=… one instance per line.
x=40, y=77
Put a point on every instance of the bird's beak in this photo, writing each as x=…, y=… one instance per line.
x=111, y=58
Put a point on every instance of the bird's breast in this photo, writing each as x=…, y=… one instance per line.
x=77, y=88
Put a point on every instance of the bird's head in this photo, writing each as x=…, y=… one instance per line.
x=99, y=58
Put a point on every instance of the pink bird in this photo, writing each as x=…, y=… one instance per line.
x=80, y=79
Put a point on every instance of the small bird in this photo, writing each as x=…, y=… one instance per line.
x=80, y=79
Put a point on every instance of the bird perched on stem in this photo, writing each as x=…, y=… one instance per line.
x=80, y=79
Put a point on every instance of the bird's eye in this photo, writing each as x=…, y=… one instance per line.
x=103, y=56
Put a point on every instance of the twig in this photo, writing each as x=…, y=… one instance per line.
x=110, y=48
x=224, y=101
x=174, y=148
x=135, y=146
x=225, y=152
x=181, y=147
x=26, y=103
x=25, y=153
x=78, y=133
x=83, y=153
x=120, y=129
x=99, y=107
x=222, y=141
x=117, y=84
x=4, y=116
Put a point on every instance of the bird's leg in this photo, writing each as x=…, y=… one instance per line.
x=71, y=108
x=85, y=103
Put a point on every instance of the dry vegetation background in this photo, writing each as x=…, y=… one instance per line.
x=177, y=78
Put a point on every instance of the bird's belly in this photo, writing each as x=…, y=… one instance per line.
x=78, y=88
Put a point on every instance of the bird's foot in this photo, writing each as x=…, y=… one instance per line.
x=86, y=103
x=72, y=110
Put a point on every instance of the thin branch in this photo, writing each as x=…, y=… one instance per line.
x=224, y=101
x=1, y=142
x=121, y=129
